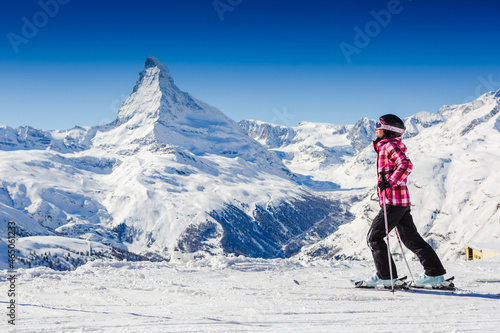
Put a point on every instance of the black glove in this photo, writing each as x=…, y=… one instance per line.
x=383, y=183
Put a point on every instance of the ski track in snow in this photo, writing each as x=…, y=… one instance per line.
x=236, y=294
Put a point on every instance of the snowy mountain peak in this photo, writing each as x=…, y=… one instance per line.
x=153, y=81
x=489, y=98
x=158, y=112
x=155, y=75
x=156, y=99
x=158, y=67
x=152, y=61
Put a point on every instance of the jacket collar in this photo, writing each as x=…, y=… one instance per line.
x=377, y=144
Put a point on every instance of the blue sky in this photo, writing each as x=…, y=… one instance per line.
x=71, y=62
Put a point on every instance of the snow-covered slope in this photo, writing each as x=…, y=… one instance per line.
x=170, y=173
x=309, y=149
x=237, y=294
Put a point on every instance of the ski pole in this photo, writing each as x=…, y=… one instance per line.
x=404, y=256
x=387, y=234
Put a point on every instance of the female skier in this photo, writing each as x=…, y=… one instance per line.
x=393, y=168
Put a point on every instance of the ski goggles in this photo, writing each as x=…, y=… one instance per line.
x=382, y=125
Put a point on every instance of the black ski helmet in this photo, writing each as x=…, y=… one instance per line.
x=391, y=120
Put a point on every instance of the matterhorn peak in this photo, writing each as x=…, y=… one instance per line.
x=155, y=72
x=153, y=62
x=157, y=112
x=153, y=84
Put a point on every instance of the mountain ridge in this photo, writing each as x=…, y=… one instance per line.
x=171, y=173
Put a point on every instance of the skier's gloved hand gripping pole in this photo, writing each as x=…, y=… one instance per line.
x=383, y=185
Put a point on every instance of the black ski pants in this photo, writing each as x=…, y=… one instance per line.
x=400, y=217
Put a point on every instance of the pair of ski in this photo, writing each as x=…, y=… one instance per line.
x=401, y=284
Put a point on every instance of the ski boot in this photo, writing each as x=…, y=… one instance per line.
x=434, y=282
x=376, y=282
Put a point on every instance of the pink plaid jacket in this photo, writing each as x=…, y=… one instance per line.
x=393, y=161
